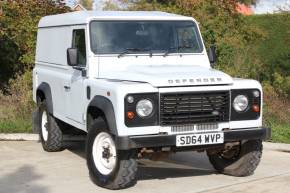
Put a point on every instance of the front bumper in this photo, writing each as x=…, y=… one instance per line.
x=152, y=141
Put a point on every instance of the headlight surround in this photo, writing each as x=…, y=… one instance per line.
x=253, y=109
x=241, y=103
x=144, y=108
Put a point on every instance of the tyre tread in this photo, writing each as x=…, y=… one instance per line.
x=54, y=142
x=246, y=164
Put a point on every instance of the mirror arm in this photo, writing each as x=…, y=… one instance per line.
x=82, y=69
x=212, y=56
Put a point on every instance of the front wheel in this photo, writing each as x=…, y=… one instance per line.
x=108, y=167
x=238, y=161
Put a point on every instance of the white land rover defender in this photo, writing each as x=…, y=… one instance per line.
x=141, y=83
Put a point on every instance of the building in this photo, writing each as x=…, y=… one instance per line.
x=78, y=7
x=244, y=9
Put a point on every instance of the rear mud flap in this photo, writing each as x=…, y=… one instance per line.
x=35, y=121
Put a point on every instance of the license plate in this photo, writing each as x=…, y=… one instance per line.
x=199, y=139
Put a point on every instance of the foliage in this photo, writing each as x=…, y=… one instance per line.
x=88, y=4
x=15, y=126
x=274, y=50
x=18, y=29
x=276, y=115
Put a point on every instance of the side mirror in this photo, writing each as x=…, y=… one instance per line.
x=72, y=56
x=212, y=55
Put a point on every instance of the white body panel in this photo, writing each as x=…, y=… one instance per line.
x=162, y=71
x=120, y=75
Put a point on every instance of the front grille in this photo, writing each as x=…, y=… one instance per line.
x=194, y=107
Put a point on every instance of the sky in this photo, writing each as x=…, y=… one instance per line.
x=270, y=6
x=263, y=6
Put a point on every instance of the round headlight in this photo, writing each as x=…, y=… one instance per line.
x=144, y=108
x=240, y=103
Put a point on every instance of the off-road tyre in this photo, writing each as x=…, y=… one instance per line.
x=54, y=140
x=124, y=173
x=244, y=163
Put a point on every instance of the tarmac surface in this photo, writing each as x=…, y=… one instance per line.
x=26, y=168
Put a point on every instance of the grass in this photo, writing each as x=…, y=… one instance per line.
x=16, y=126
x=281, y=133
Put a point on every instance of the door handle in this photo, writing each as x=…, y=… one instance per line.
x=67, y=87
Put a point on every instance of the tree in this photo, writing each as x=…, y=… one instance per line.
x=88, y=4
x=18, y=29
x=248, y=2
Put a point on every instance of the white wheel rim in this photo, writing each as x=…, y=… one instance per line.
x=104, y=153
x=44, y=125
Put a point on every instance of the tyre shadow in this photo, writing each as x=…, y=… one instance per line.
x=183, y=164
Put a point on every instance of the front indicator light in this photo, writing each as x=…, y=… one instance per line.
x=256, y=108
x=130, y=115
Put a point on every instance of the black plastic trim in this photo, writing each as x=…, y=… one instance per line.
x=88, y=92
x=151, y=141
x=35, y=120
x=105, y=105
x=248, y=114
x=217, y=100
x=137, y=121
x=45, y=88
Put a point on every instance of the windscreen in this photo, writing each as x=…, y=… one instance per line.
x=115, y=37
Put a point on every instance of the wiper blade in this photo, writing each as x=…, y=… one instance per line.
x=185, y=47
x=169, y=50
x=175, y=48
x=131, y=50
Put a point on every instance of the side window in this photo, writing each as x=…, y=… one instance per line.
x=79, y=42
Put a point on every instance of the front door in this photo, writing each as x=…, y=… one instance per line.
x=75, y=90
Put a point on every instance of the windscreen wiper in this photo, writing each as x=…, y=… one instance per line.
x=132, y=50
x=175, y=48
x=169, y=50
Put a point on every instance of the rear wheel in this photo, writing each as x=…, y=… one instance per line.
x=49, y=132
x=108, y=167
x=238, y=161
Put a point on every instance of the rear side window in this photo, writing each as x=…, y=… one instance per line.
x=79, y=42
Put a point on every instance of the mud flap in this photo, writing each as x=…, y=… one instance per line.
x=35, y=120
